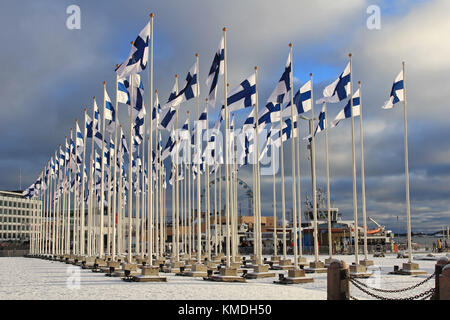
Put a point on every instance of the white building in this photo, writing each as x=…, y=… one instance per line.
x=16, y=214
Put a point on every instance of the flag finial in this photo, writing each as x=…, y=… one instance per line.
x=176, y=76
x=311, y=74
x=196, y=54
x=85, y=109
x=359, y=82
x=350, y=55
x=151, y=15
x=224, y=29
x=117, y=65
x=206, y=99
x=104, y=83
x=187, y=111
x=156, y=91
x=132, y=42
x=256, y=68
x=290, y=45
x=94, y=97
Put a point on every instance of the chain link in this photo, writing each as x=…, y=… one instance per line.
x=392, y=291
x=426, y=294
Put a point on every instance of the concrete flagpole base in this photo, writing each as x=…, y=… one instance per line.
x=260, y=271
x=316, y=267
x=408, y=269
x=197, y=270
x=366, y=263
x=294, y=276
x=148, y=274
x=226, y=275
x=359, y=271
x=284, y=264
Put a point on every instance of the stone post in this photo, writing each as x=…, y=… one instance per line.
x=444, y=283
x=440, y=264
x=338, y=281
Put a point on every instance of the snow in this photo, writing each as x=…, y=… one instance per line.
x=26, y=278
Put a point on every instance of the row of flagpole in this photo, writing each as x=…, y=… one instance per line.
x=150, y=196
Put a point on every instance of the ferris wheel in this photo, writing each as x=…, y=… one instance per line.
x=244, y=195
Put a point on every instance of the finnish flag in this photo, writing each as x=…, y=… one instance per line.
x=217, y=68
x=88, y=124
x=156, y=112
x=138, y=57
x=190, y=90
x=339, y=89
x=110, y=114
x=346, y=113
x=243, y=96
x=397, y=92
x=302, y=100
x=169, y=146
x=79, y=139
x=168, y=113
x=123, y=95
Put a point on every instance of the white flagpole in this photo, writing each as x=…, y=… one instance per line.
x=91, y=206
x=199, y=206
x=63, y=209
x=138, y=209
x=299, y=199
x=149, y=157
x=258, y=183
x=110, y=172
x=226, y=147
x=408, y=204
x=208, y=204
x=120, y=235
x=355, y=205
x=275, y=240
x=75, y=196
x=130, y=174
x=283, y=196
x=330, y=243
x=294, y=183
x=363, y=178
x=68, y=199
x=102, y=179
x=83, y=177
x=190, y=214
x=55, y=184
x=113, y=167
x=313, y=174
x=143, y=188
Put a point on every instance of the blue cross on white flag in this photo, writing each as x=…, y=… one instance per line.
x=346, y=113
x=217, y=68
x=397, y=92
x=79, y=139
x=302, y=100
x=88, y=124
x=138, y=57
x=280, y=93
x=110, y=114
x=243, y=96
x=190, y=90
x=339, y=89
x=123, y=95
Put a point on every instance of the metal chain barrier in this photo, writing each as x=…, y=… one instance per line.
x=393, y=291
x=424, y=295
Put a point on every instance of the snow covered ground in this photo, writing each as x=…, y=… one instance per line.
x=25, y=278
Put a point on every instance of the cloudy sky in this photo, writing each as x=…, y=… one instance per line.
x=50, y=73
